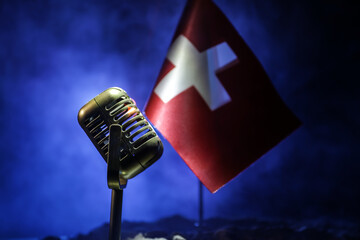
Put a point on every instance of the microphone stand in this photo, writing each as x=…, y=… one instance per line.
x=115, y=182
x=115, y=214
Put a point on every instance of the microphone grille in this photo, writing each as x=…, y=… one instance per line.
x=136, y=128
x=98, y=131
x=114, y=106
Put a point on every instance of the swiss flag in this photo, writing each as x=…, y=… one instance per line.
x=213, y=100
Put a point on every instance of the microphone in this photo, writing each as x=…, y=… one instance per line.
x=124, y=138
x=139, y=145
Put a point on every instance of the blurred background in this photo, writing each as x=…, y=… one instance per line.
x=57, y=55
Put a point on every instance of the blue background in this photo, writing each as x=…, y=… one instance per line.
x=57, y=55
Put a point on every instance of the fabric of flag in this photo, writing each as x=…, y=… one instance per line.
x=213, y=101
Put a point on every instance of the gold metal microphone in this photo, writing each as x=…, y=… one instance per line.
x=124, y=138
x=139, y=147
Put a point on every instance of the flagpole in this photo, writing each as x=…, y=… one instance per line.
x=201, y=206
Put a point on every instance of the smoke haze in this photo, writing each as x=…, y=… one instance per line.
x=57, y=55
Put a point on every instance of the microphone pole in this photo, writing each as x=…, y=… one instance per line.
x=115, y=214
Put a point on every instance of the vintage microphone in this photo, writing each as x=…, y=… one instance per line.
x=124, y=138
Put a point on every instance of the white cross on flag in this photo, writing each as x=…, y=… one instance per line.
x=213, y=100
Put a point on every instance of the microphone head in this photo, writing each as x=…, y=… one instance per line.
x=140, y=145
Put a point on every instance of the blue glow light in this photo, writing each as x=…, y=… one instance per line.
x=55, y=56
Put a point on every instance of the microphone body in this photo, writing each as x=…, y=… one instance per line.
x=139, y=145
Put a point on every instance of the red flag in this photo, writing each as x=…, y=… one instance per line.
x=213, y=100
